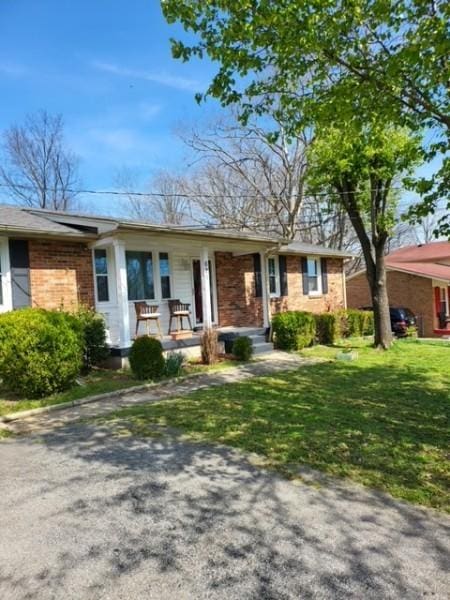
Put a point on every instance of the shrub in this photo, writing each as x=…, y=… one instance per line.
x=359, y=322
x=40, y=351
x=328, y=328
x=293, y=330
x=146, y=358
x=243, y=348
x=354, y=323
x=174, y=364
x=209, y=346
x=368, y=323
x=94, y=334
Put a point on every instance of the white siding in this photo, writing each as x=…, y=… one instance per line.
x=181, y=252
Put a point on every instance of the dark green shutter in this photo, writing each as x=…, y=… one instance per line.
x=257, y=274
x=304, y=269
x=283, y=276
x=323, y=265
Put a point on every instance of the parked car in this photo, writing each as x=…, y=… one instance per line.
x=403, y=320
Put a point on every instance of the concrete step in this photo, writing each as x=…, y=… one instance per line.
x=263, y=347
x=258, y=339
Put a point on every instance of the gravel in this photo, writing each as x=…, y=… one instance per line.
x=86, y=515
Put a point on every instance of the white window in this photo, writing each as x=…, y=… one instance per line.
x=165, y=275
x=274, y=276
x=444, y=304
x=101, y=274
x=140, y=276
x=314, y=276
x=1, y=282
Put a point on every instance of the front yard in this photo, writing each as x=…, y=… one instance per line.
x=98, y=381
x=382, y=420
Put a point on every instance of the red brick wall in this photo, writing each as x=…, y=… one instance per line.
x=296, y=300
x=60, y=274
x=404, y=289
x=237, y=305
x=236, y=302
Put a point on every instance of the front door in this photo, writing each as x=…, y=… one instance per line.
x=197, y=284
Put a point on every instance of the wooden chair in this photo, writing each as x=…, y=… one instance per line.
x=179, y=311
x=147, y=312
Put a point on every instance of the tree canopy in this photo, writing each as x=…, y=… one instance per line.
x=323, y=62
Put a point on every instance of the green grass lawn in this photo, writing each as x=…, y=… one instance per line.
x=97, y=382
x=382, y=420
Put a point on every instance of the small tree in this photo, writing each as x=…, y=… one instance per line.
x=37, y=167
x=359, y=168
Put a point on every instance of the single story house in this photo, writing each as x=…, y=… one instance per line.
x=230, y=279
x=418, y=278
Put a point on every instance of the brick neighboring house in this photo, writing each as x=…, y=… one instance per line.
x=418, y=277
x=230, y=279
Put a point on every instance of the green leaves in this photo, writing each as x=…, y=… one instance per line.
x=326, y=62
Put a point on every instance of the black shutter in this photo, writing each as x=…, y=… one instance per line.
x=283, y=276
x=323, y=265
x=304, y=267
x=257, y=273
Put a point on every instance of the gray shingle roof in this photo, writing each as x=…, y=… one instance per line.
x=19, y=220
x=302, y=248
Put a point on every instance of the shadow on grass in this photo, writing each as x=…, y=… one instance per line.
x=386, y=428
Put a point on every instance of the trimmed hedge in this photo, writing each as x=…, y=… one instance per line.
x=40, y=351
x=243, y=348
x=328, y=328
x=146, y=358
x=359, y=322
x=293, y=330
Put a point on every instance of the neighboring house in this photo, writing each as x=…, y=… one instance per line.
x=418, y=277
x=230, y=279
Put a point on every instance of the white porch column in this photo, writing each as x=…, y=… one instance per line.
x=122, y=293
x=5, y=270
x=206, y=288
x=265, y=289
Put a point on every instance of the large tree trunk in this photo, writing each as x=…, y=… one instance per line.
x=376, y=275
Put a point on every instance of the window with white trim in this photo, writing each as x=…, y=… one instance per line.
x=101, y=274
x=165, y=275
x=140, y=276
x=314, y=276
x=274, y=276
x=1, y=281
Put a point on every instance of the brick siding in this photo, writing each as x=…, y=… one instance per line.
x=237, y=305
x=236, y=302
x=61, y=274
x=404, y=289
x=296, y=300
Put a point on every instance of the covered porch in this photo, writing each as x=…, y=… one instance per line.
x=214, y=276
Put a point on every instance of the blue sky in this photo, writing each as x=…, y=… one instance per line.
x=106, y=66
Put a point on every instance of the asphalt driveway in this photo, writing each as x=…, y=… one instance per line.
x=86, y=515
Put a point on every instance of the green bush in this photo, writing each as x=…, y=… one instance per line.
x=328, y=328
x=359, y=322
x=174, y=364
x=146, y=358
x=243, y=348
x=94, y=334
x=40, y=351
x=293, y=330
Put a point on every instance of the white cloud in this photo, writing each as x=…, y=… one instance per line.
x=165, y=79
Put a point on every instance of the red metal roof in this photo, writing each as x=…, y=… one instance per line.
x=423, y=252
x=427, y=260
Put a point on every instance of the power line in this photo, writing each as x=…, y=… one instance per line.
x=192, y=195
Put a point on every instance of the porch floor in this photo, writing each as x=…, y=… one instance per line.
x=169, y=344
